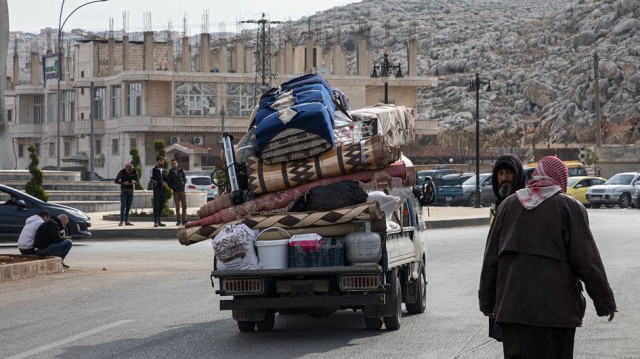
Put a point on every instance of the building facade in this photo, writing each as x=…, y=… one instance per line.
x=136, y=92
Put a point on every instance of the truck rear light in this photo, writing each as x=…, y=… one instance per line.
x=360, y=282
x=213, y=186
x=242, y=286
x=191, y=186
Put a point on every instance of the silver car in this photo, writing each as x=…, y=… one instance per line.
x=619, y=189
x=487, y=196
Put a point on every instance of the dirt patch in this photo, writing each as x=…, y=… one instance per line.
x=17, y=258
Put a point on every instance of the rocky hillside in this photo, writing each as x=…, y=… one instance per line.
x=537, y=54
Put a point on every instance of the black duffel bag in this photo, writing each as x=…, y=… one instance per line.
x=337, y=195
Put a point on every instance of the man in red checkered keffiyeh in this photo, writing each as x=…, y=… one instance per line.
x=549, y=178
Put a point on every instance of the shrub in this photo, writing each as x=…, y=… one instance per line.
x=34, y=186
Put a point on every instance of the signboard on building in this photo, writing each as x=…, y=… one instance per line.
x=51, y=67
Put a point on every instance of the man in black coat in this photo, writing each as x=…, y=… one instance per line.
x=51, y=240
x=159, y=180
x=127, y=179
x=506, y=178
x=177, y=180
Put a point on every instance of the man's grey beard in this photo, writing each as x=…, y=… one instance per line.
x=505, y=190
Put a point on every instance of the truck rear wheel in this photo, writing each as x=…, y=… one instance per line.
x=373, y=323
x=392, y=322
x=420, y=289
x=267, y=323
x=246, y=326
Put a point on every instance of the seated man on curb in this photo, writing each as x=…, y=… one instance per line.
x=50, y=239
x=28, y=233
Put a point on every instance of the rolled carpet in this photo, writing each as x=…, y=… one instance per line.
x=365, y=211
x=369, y=154
x=280, y=199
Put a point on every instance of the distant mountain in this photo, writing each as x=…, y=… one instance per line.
x=537, y=54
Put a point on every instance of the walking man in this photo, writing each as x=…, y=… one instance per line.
x=51, y=240
x=539, y=252
x=176, y=181
x=159, y=181
x=506, y=178
x=126, y=178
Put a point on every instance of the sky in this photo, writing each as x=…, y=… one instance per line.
x=33, y=15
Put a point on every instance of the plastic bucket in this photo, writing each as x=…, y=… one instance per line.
x=273, y=254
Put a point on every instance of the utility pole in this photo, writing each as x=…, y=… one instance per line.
x=263, y=50
x=596, y=89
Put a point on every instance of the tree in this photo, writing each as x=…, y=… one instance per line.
x=135, y=161
x=34, y=186
x=590, y=157
x=158, y=146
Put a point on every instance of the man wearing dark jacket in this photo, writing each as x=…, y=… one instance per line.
x=159, y=180
x=176, y=181
x=50, y=238
x=506, y=178
x=127, y=179
x=538, y=252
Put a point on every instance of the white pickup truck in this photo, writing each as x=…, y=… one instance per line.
x=378, y=290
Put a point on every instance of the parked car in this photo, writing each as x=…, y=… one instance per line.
x=636, y=198
x=201, y=183
x=436, y=174
x=619, y=190
x=450, y=192
x=17, y=206
x=487, y=197
x=577, y=187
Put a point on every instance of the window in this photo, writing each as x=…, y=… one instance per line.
x=133, y=143
x=68, y=109
x=99, y=103
x=115, y=146
x=38, y=109
x=195, y=99
x=52, y=99
x=9, y=115
x=52, y=149
x=37, y=145
x=134, y=99
x=67, y=149
x=116, y=105
x=21, y=150
x=239, y=99
x=98, y=147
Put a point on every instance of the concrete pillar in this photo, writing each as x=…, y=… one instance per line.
x=280, y=59
x=364, y=65
x=68, y=67
x=248, y=60
x=148, y=63
x=186, y=55
x=171, y=58
x=205, y=52
x=288, y=56
x=125, y=53
x=223, y=62
x=34, y=68
x=16, y=67
x=308, y=56
x=112, y=57
x=299, y=63
x=339, y=59
x=239, y=66
x=412, y=57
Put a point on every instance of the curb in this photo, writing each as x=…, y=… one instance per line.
x=454, y=223
x=22, y=270
x=137, y=233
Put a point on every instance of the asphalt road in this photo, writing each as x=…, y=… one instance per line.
x=151, y=299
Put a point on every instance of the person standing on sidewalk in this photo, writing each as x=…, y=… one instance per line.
x=50, y=238
x=126, y=178
x=176, y=181
x=506, y=178
x=28, y=233
x=159, y=181
x=539, y=252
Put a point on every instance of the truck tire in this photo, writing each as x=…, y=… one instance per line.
x=393, y=321
x=373, y=323
x=267, y=323
x=420, y=288
x=246, y=326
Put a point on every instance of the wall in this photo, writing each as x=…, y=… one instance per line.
x=158, y=98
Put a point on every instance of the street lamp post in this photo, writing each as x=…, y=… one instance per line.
x=474, y=85
x=385, y=66
x=59, y=110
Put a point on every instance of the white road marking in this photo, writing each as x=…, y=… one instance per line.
x=88, y=333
